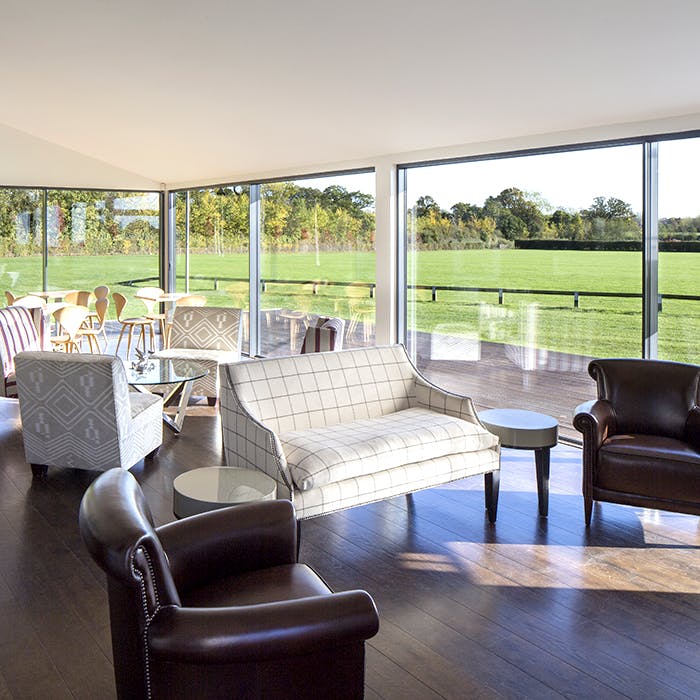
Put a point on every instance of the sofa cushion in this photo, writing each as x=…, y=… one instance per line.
x=333, y=453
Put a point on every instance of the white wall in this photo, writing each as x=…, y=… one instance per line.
x=27, y=161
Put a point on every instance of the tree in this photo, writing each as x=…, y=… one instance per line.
x=426, y=206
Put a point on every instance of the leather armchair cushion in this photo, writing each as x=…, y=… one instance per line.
x=653, y=466
x=287, y=582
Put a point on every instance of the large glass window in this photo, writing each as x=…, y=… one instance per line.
x=317, y=259
x=20, y=240
x=102, y=238
x=521, y=269
x=679, y=251
x=212, y=244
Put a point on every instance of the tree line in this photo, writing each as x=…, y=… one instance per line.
x=296, y=218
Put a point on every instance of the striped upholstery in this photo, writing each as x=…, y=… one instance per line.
x=267, y=404
x=77, y=411
x=17, y=333
x=325, y=336
x=209, y=336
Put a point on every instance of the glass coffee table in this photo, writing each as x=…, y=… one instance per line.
x=178, y=373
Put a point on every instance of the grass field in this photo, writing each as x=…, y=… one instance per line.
x=598, y=327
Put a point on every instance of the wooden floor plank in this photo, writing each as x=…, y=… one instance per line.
x=530, y=607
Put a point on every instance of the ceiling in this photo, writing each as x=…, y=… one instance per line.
x=177, y=92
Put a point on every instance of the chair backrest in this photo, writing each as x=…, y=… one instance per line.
x=10, y=297
x=650, y=397
x=318, y=389
x=325, y=336
x=71, y=403
x=30, y=302
x=79, y=298
x=101, y=291
x=119, y=303
x=17, y=333
x=117, y=528
x=192, y=300
x=206, y=328
x=101, y=306
x=148, y=296
x=70, y=318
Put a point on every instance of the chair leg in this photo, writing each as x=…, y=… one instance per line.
x=116, y=352
x=153, y=453
x=492, y=482
x=39, y=470
x=211, y=400
x=587, y=509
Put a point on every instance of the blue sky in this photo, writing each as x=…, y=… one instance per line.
x=566, y=180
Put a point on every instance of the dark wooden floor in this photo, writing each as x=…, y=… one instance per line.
x=530, y=608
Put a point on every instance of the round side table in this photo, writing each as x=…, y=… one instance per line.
x=208, y=488
x=526, y=430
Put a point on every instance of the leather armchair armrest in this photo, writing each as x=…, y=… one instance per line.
x=692, y=428
x=223, y=542
x=262, y=632
x=596, y=420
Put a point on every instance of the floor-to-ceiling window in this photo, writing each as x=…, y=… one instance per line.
x=679, y=250
x=317, y=259
x=521, y=269
x=212, y=244
x=21, y=237
x=99, y=237
x=78, y=239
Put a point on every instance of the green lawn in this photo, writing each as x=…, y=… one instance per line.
x=598, y=327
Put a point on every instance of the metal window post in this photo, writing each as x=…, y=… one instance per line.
x=44, y=239
x=650, y=262
x=254, y=269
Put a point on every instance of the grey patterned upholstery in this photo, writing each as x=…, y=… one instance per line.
x=345, y=407
x=77, y=411
x=208, y=335
x=18, y=332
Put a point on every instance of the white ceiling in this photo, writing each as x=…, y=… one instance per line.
x=177, y=91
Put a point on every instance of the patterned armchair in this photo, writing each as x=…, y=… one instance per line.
x=18, y=332
x=207, y=335
x=77, y=411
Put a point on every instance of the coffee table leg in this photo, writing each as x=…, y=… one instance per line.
x=176, y=423
x=542, y=469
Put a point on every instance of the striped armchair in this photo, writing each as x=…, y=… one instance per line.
x=18, y=332
x=340, y=429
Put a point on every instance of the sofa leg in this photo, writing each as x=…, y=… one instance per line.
x=587, y=509
x=39, y=470
x=492, y=482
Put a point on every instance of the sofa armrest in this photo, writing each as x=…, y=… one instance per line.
x=223, y=542
x=264, y=631
x=436, y=399
x=247, y=442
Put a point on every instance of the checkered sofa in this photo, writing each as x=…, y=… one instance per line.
x=340, y=429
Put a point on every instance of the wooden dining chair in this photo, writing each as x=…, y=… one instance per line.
x=70, y=319
x=9, y=297
x=93, y=331
x=130, y=323
x=149, y=296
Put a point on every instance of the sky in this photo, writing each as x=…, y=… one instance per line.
x=565, y=180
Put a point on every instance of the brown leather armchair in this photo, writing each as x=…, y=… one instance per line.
x=641, y=438
x=216, y=606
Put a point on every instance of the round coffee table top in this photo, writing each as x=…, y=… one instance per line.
x=521, y=429
x=208, y=488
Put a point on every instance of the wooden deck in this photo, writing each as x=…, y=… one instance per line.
x=529, y=608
